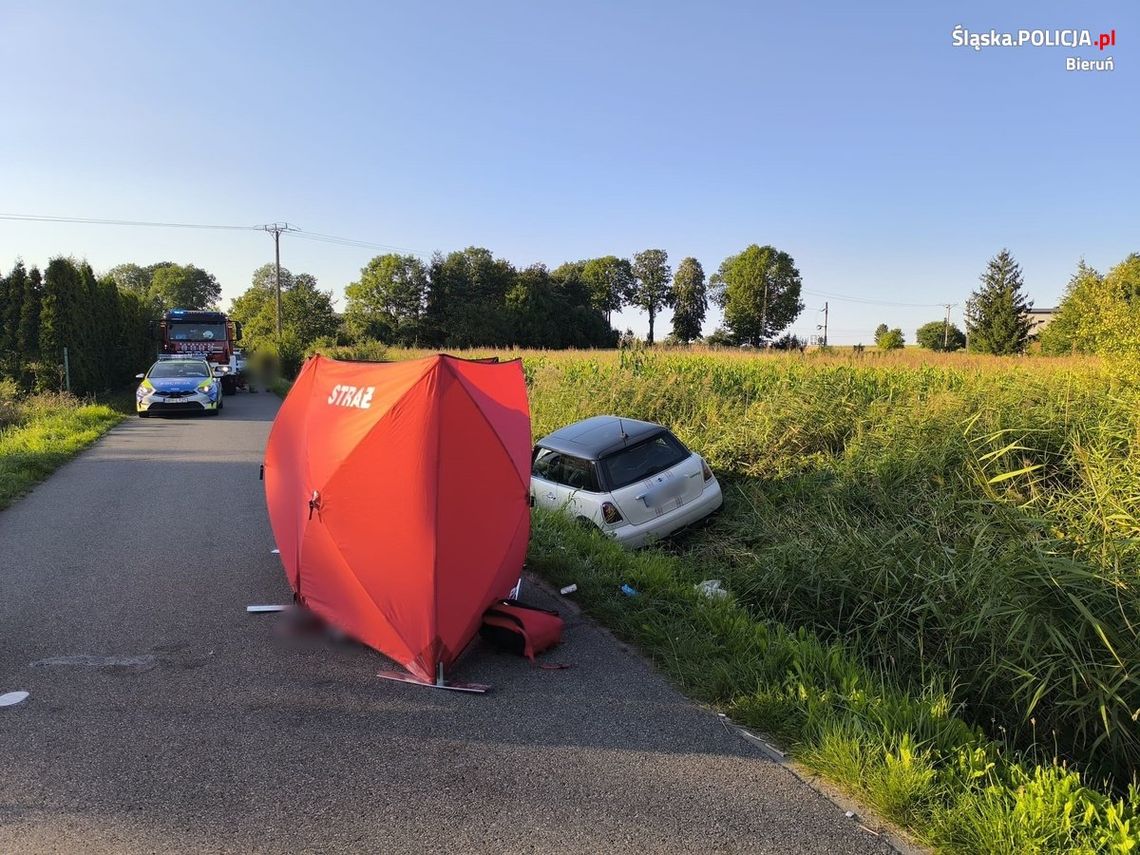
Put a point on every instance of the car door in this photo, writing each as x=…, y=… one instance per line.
x=563, y=483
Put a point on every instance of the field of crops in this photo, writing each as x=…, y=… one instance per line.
x=962, y=533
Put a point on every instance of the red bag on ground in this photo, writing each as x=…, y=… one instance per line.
x=524, y=629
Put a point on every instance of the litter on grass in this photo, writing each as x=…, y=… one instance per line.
x=569, y=589
x=712, y=589
x=629, y=590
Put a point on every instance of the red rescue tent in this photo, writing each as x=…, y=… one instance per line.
x=399, y=498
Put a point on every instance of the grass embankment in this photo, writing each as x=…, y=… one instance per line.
x=40, y=433
x=907, y=754
x=933, y=565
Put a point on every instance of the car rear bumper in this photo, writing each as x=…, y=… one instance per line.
x=634, y=536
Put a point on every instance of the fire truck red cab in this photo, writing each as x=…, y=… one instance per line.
x=208, y=335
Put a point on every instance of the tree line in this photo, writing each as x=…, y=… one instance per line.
x=465, y=298
x=470, y=298
x=1098, y=314
x=103, y=328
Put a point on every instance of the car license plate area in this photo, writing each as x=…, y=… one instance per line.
x=664, y=495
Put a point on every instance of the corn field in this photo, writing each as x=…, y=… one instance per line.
x=966, y=522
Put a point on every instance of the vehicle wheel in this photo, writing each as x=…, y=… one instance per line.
x=143, y=415
x=229, y=385
x=214, y=412
x=586, y=523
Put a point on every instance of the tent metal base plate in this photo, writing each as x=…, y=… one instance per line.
x=402, y=677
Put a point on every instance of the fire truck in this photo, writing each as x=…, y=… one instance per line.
x=209, y=335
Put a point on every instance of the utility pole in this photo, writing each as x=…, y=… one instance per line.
x=276, y=229
x=946, y=328
x=825, y=324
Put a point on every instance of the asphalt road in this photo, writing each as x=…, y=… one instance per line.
x=163, y=718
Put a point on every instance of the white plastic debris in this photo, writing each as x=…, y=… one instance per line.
x=712, y=589
x=260, y=610
x=850, y=814
x=10, y=699
x=275, y=552
x=569, y=589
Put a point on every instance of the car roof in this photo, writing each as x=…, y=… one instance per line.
x=599, y=436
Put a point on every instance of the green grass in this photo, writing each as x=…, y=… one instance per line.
x=906, y=753
x=42, y=433
x=279, y=386
x=934, y=563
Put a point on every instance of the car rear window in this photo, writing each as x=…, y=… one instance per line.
x=647, y=458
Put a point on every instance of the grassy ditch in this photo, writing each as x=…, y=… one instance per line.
x=905, y=752
x=41, y=432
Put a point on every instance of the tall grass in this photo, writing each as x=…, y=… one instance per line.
x=902, y=748
x=933, y=562
x=975, y=521
x=41, y=432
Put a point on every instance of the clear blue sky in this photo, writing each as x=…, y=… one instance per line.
x=889, y=163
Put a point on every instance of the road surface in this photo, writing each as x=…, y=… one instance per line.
x=163, y=718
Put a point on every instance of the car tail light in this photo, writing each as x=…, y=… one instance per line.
x=706, y=470
x=610, y=513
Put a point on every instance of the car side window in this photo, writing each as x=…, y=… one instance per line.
x=579, y=474
x=546, y=464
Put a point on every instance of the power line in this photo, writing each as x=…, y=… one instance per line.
x=93, y=221
x=335, y=240
x=352, y=242
x=871, y=302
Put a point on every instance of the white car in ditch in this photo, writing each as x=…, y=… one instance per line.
x=634, y=480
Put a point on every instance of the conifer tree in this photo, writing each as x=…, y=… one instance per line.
x=997, y=319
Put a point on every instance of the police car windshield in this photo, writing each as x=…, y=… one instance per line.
x=185, y=331
x=179, y=369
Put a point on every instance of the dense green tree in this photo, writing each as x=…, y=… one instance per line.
x=466, y=299
x=789, y=341
x=936, y=335
x=570, y=280
x=651, y=273
x=996, y=313
x=1098, y=314
x=309, y=311
x=184, y=287
x=132, y=278
x=536, y=308
x=610, y=282
x=387, y=302
x=29, y=336
x=62, y=290
x=759, y=290
x=307, y=314
x=889, y=339
x=690, y=300
x=720, y=337
x=12, y=289
x=266, y=277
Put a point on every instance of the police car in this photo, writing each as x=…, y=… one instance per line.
x=179, y=384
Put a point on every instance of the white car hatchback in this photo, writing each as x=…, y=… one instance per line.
x=634, y=480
